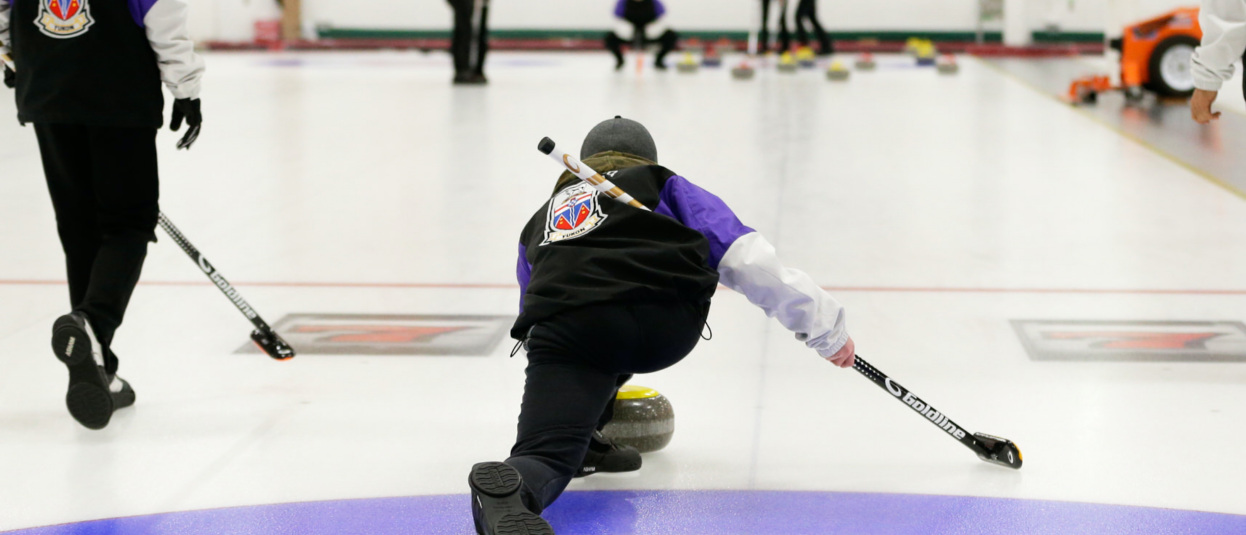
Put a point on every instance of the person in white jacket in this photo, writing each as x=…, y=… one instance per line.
x=1224, y=41
x=88, y=75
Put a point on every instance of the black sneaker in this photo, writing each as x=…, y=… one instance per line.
x=470, y=78
x=606, y=456
x=93, y=394
x=496, y=506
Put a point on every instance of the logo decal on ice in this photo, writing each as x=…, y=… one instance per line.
x=388, y=334
x=1132, y=340
x=573, y=212
x=63, y=19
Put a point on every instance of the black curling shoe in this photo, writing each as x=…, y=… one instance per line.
x=93, y=394
x=606, y=456
x=496, y=505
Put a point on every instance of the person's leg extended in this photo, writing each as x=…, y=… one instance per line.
x=668, y=39
x=67, y=167
x=482, y=37
x=461, y=39
x=127, y=195
x=763, y=35
x=577, y=362
x=809, y=9
x=564, y=399
x=785, y=37
x=802, y=35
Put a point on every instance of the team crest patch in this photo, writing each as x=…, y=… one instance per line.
x=63, y=19
x=573, y=212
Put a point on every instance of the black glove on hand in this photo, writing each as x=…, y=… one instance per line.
x=10, y=77
x=184, y=108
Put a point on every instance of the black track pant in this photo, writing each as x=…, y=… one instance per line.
x=576, y=362
x=668, y=41
x=470, y=41
x=105, y=189
x=763, y=39
x=808, y=10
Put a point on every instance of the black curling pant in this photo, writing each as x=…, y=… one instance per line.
x=105, y=189
x=763, y=39
x=808, y=10
x=470, y=41
x=668, y=41
x=576, y=362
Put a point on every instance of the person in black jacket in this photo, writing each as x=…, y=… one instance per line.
x=470, y=41
x=608, y=290
x=88, y=77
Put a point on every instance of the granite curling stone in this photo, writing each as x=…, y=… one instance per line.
x=643, y=419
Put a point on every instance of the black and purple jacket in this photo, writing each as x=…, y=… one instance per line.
x=583, y=248
x=99, y=62
x=640, y=12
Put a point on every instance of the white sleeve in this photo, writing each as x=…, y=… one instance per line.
x=751, y=267
x=1224, y=40
x=180, y=67
x=5, y=10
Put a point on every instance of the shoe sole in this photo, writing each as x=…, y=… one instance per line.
x=495, y=491
x=88, y=398
x=523, y=524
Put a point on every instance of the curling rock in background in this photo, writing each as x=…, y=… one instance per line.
x=643, y=419
x=806, y=58
x=865, y=62
x=947, y=64
x=787, y=63
x=837, y=72
x=743, y=71
x=711, y=58
x=688, y=64
x=914, y=45
x=926, y=55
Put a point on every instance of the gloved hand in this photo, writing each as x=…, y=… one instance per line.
x=10, y=78
x=184, y=108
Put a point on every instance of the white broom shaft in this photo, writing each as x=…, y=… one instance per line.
x=587, y=174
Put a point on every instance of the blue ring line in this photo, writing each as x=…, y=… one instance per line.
x=682, y=513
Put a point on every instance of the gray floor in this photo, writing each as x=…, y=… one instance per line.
x=1164, y=126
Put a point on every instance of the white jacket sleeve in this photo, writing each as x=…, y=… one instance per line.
x=1224, y=40
x=180, y=67
x=751, y=267
x=6, y=8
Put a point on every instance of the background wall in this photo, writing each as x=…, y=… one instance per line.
x=233, y=20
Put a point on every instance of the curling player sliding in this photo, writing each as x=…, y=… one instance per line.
x=610, y=290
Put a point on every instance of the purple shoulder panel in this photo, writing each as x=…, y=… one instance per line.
x=658, y=8
x=703, y=212
x=620, y=8
x=139, y=9
x=523, y=272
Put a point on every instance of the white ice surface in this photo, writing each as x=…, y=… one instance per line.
x=370, y=168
